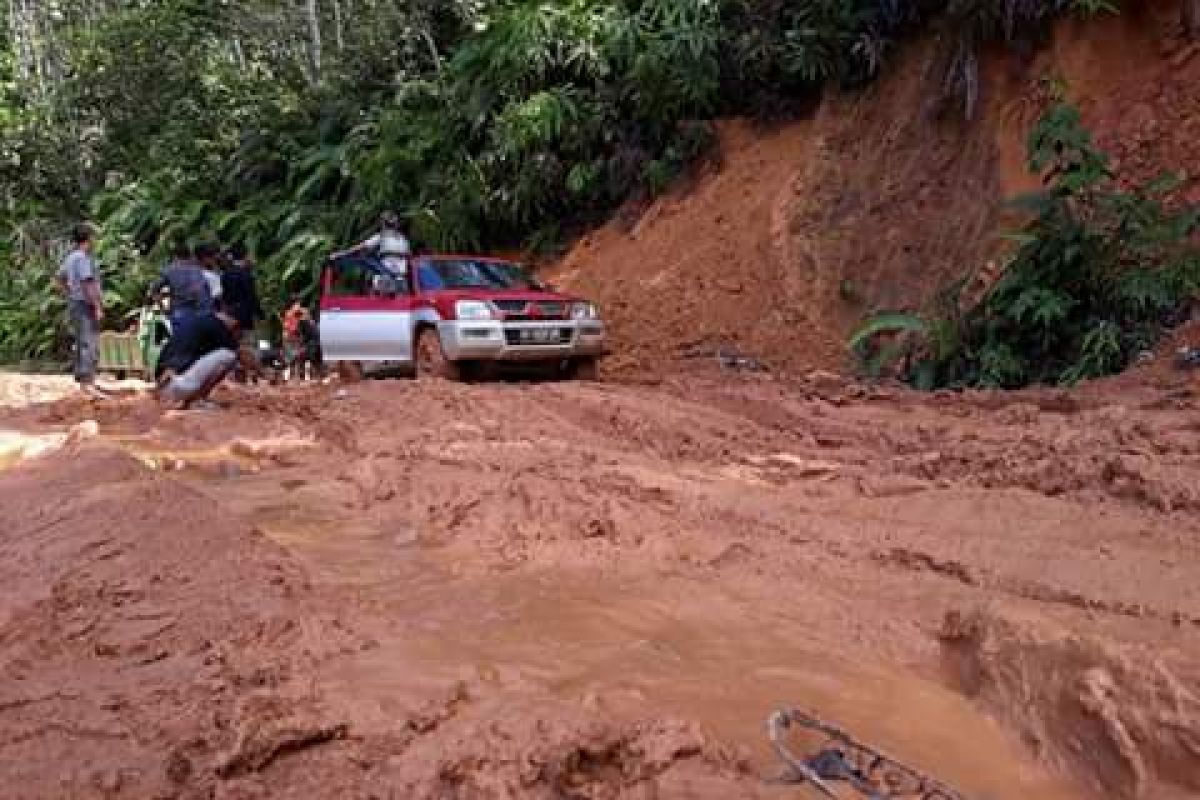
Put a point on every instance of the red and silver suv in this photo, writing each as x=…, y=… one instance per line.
x=453, y=313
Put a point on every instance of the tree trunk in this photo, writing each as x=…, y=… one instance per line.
x=314, y=33
x=1191, y=18
x=338, y=31
x=22, y=37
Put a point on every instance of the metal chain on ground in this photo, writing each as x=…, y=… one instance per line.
x=843, y=758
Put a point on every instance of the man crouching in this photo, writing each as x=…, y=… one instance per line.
x=200, y=353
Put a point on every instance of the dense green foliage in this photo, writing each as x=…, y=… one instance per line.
x=1098, y=272
x=485, y=123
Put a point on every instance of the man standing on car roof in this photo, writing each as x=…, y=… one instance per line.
x=390, y=244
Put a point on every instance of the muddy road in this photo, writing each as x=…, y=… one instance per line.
x=400, y=589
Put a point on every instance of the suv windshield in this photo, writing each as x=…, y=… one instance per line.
x=465, y=273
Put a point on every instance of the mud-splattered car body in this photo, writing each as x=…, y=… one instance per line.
x=453, y=312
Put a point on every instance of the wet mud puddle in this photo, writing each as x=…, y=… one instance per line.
x=632, y=646
x=624, y=644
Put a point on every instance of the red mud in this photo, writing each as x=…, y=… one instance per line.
x=778, y=247
x=432, y=590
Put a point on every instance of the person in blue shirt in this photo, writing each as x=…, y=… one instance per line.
x=184, y=278
x=197, y=357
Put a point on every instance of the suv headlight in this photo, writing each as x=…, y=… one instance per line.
x=584, y=311
x=472, y=309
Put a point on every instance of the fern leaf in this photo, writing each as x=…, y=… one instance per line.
x=889, y=322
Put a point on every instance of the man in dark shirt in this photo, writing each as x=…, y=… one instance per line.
x=198, y=356
x=241, y=290
x=310, y=334
x=184, y=277
x=240, y=293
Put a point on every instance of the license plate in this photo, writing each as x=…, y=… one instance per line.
x=539, y=335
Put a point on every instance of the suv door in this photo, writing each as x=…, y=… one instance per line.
x=366, y=315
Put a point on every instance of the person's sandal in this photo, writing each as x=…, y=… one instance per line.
x=94, y=392
x=166, y=398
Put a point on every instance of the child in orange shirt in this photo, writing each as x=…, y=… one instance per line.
x=295, y=353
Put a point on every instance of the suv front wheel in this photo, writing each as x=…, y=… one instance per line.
x=431, y=358
x=584, y=368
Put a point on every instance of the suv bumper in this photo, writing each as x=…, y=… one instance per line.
x=497, y=340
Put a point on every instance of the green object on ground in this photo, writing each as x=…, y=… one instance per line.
x=134, y=353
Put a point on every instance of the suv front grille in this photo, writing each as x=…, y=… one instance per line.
x=542, y=309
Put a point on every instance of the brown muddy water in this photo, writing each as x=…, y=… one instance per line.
x=611, y=640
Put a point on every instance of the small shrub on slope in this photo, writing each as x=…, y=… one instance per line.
x=1098, y=274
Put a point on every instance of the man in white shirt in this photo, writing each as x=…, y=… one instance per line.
x=390, y=244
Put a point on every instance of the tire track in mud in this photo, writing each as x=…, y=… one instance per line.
x=916, y=561
x=839, y=446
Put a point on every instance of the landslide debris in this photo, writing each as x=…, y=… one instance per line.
x=1125, y=718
